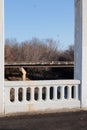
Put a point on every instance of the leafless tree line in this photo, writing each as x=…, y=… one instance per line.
x=36, y=50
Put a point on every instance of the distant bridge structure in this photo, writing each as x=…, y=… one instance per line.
x=41, y=64
x=61, y=68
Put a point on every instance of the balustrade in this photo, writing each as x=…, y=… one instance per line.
x=41, y=95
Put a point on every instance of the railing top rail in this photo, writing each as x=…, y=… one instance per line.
x=41, y=83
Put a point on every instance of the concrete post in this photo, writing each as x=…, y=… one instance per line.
x=81, y=48
x=1, y=57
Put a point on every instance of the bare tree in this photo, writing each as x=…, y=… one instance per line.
x=36, y=51
x=8, y=55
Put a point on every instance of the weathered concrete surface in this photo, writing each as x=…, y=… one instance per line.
x=55, y=121
x=41, y=104
x=81, y=48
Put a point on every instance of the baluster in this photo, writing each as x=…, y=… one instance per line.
x=16, y=94
x=47, y=93
x=32, y=93
x=76, y=92
x=7, y=95
x=62, y=92
x=55, y=93
x=69, y=92
x=40, y=93
x=24, y=94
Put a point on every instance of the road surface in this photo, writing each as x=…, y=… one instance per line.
x=55, y=121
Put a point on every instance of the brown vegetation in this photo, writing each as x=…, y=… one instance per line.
x=36, y=50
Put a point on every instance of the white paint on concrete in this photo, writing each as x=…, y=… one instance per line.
x=1, y=57
x=42, y=105
x=80, y=71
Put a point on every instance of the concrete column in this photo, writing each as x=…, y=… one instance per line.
x=1, y=57
x=81, y=48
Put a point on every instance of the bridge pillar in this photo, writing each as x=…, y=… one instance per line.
x=1, y=57
x=23, y=73
x=81, y=48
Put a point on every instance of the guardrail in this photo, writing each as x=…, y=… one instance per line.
x=30, y=96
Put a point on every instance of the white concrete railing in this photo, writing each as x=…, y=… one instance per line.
x=29, y=96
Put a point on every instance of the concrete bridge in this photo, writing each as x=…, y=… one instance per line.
x=23, y=96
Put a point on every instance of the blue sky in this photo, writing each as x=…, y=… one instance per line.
x=26, y=19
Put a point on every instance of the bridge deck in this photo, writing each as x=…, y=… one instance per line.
x=55, y=121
